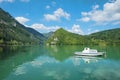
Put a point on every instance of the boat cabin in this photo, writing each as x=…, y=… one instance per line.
x=88, y=50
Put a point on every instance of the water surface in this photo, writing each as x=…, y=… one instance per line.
x=58, y=63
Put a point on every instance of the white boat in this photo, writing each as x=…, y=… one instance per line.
x=89, y=52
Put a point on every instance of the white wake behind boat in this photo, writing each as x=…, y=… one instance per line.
x=89, y=52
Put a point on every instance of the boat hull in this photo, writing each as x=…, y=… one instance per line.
x=89, y=54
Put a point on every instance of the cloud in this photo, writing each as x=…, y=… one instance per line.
x=76, y=29
x=90, y=31
x=6, y=1
x=95, y=31
x=95, y=7
x=47, y=7
x=43, y=28
x=85, y=19
x=57, y=15
x=50, y=17
x=22, y=20
x=37, y=26
x=110, y=13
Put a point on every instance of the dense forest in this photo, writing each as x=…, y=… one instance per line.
x=62, y=36
x=110, y=37
x=107, y=37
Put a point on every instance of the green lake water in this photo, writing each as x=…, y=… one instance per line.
x=58, y=63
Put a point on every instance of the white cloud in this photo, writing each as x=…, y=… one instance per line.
x=85, y=19
x=47, y=7
x=22, y=20
x=50, y=17
x=96, y=31
x=90, y=31
x=84, y=13
x=110, y=13
x=43, y=28
x=95, y=7
x=25, y=0
x=76, y=29
x=36, y=26
x=59, y=13
x=6, y=1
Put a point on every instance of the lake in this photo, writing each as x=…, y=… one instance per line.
x=58, y=63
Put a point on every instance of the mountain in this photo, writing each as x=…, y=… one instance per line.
x=47, y=35
x=111, y=36
x=107, y=37
x=62, y=36
x=38, y=35
x=12, y=32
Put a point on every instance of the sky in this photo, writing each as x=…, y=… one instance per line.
x=78, y=16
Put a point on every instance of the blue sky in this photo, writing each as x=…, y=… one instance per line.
x=77, y=16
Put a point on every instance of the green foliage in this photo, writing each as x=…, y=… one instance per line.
x=12, y=32
x=66, y=38
x=109, y=37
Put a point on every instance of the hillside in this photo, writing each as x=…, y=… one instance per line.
x=12, y=32
x=111, y=36
x=107, y=37
x=62, y=36
x=38, y=35
x=47, y=35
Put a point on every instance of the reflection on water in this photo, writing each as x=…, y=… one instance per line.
x=7, y=51
x=1, y=49
x=58, y=63
x=85, y=59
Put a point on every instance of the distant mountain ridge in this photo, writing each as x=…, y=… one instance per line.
x=111, y=36
x=47, y=35
x=106, y=37
x=36, y=34
x=12, y=32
